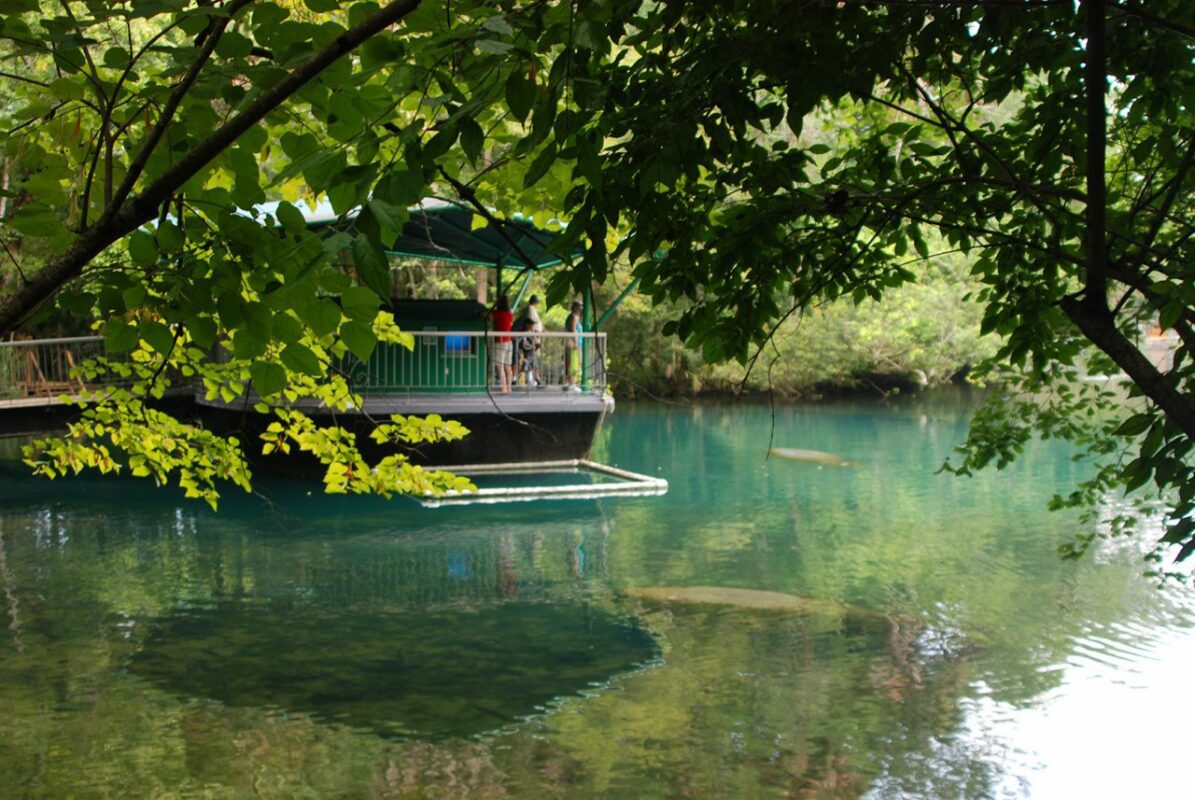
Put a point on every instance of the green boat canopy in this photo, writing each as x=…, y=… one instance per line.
x=443, y=231
x=439, y=230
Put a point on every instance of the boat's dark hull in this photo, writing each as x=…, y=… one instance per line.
x=509, y=429
x=498, y=435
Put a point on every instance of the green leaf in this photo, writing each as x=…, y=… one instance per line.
x=246, y=344
x=170, y=237
x=268, y=378
x=919, y=241
x=116, y=58
x=1135, y=425
x=924, y=149
x=1170, y=314
x=342, y=106
x=333, y=280
x=158, y=336
x=287, y=328
x=202, y=330
x=259, y=319
x=493, y=46
x=344, y=196
x=520, y=94
x=290, y=218
x=361, y=11
x=323, y=167
x=389, y=216
x=67, y=89
x=142, y=248
x=589, y=161
x=1180, y=531
x=358, y=336
x=402, y=187
x=300, y=358
x=133, y=296
x=119, y=336
x=498, y=25
x=472, y=139
x=322, y=316
x=543, y=162
x=441, y=143
x=233, y=45
x=380, y=51
x=373, y=267
x=77, y=302
x=359, y=302
x=590, y=34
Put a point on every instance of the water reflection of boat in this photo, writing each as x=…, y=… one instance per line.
x=435, y=631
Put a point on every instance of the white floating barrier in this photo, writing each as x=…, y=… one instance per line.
x=628, y=484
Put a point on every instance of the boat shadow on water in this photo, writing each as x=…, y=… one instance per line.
x=421, y=673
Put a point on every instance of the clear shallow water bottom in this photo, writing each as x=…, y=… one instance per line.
x=308, y=646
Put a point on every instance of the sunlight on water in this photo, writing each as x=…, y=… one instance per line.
x=1112, y=728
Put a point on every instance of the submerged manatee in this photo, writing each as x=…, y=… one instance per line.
x=743, y=598
x=810, y=456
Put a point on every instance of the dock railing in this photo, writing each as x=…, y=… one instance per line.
x=441, y=361
x=43, y=367
x=465, y=361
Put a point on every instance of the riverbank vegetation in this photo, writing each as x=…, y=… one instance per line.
x=925, y=333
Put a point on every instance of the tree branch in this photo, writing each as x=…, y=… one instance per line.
x=1172, y=191
x=213, y=33
x=1095, y=288
x=1161, y=22
x=94, y=77
x=470, y=197
x=140, y=209
x=1100, y=328
x=15, y=77
x=1143, y=286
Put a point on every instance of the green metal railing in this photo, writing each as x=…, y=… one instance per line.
x=440, y=361
x=464, y=362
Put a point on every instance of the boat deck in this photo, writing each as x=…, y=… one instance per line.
x=522, y=400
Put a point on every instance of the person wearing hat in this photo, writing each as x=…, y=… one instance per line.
x=572, y=348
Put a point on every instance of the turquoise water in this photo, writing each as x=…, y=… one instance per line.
x=299, y=645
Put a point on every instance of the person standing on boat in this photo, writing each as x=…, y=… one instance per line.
x=529, y=346
x=503, y=321
x=532, y=313
x=572, y=348
x=525, y=350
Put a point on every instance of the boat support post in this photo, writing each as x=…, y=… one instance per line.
x=609, y=312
